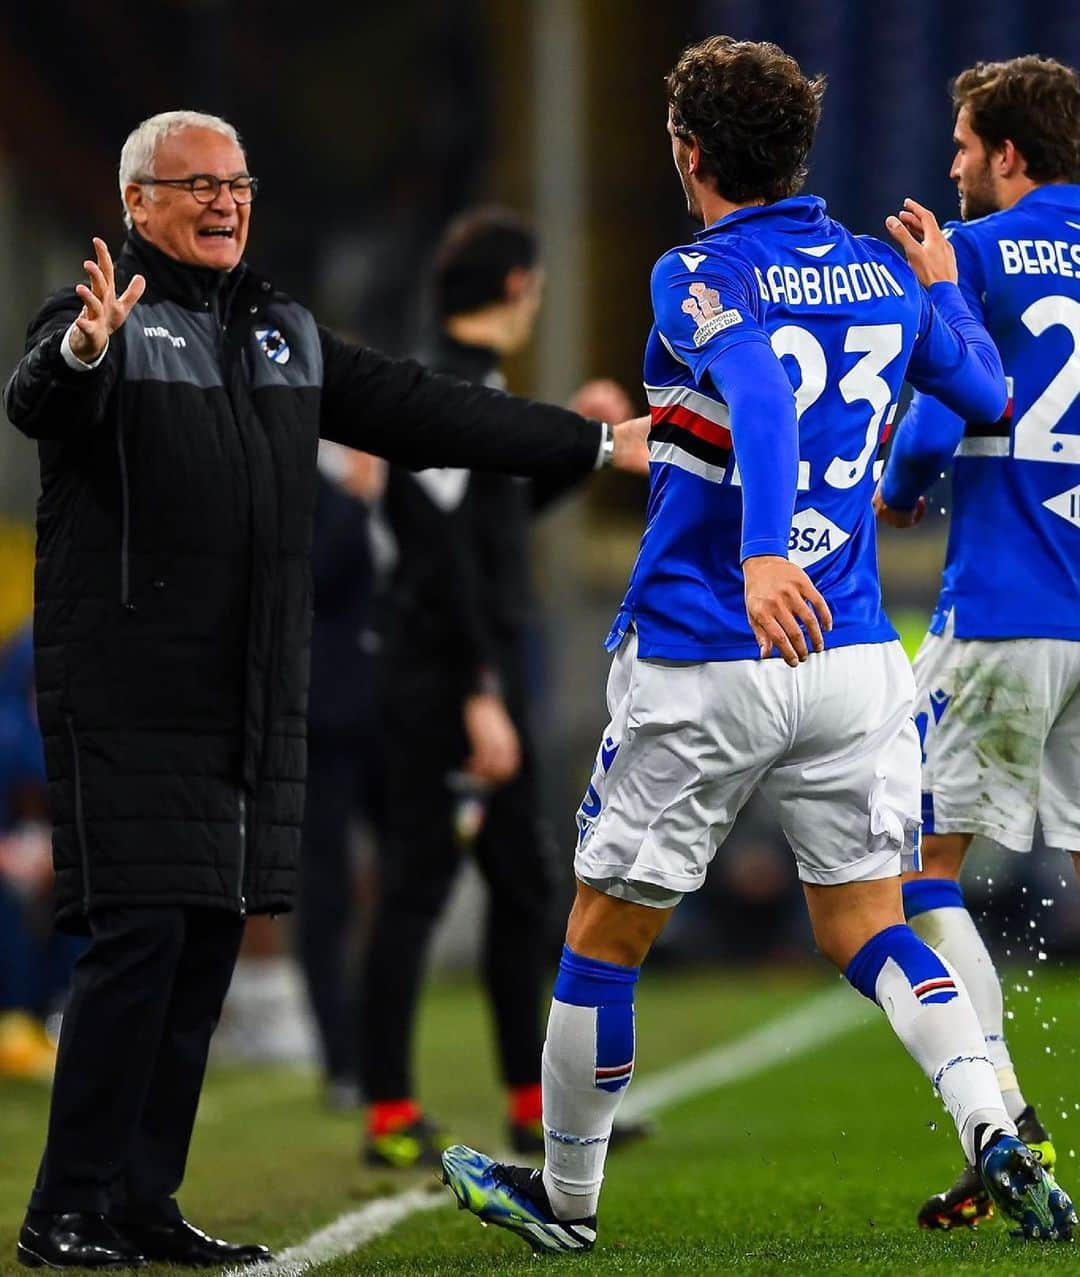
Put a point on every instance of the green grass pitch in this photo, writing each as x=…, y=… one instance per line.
x=815, y=1166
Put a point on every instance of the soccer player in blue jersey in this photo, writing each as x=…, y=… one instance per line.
x=999, y=673
x=779, y=346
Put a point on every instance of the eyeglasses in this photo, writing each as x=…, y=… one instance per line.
x=206, y=188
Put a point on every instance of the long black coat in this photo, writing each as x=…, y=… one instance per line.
x=172, y=592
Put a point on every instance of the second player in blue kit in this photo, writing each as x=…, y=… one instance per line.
x=999, y=673
x=779, y=346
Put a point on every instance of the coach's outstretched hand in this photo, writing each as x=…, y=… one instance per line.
x=103, y=312
x=779, y=596
x=631, y=440
x=929, y=253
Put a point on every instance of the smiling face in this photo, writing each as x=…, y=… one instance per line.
x=972, y=171
x=212, y=235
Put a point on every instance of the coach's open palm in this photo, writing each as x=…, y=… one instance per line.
x=780, y=600
x=929, y=253
x=103, y=312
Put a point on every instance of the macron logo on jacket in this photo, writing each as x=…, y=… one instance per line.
x=157, y=331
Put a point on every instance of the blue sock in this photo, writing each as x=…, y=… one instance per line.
x=931, y=1013
x=923, y=894
x=591, y=982
x=928, y=976
x=587, y=1065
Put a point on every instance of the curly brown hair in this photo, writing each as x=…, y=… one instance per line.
x=1031, y=101
x=752, y=111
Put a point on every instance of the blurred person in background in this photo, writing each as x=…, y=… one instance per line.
x=345, y=766
x=460, y=761
x=779, y=342
x=177, y=398
x=34, y=965
x=999, y=672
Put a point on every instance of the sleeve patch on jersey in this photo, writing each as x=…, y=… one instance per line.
x=704, y=308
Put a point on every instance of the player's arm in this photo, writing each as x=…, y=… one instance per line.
x=954, y=357
x=469, y=640
x=708, y=319
x=922, y=448
x=780, y=598
x=955, y=366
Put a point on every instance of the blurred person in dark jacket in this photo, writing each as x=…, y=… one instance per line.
x=460, y=763
x=344, y=750
x=32, y=965
x=178, y=398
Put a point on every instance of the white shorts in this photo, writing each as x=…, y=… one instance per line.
x=1000, y=722
x=831, y=745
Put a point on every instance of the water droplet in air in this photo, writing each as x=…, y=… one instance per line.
x=933, y=1125
x=1042, y=956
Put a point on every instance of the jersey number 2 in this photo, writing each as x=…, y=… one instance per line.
x=1034, y=438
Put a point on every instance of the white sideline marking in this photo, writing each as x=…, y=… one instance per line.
x=817, y=1020
x=347, y=1233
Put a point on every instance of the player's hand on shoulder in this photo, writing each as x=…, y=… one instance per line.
x=631, y=439
x=898, y=518
x=784, y=606
x=103, y=311
x=929, y=253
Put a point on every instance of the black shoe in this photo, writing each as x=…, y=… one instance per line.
x=964, y=1204
x=527, y=1138
x=75, y=1239
x=418, y=1144
x=178, y=1242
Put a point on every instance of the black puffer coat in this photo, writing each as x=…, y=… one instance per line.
x=173, y=596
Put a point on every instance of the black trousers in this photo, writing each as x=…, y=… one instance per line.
x=339, y=785
x=419, y=863
x=145, y=999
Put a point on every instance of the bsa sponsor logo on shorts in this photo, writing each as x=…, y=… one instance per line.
x=705, y=309
x=813, y=536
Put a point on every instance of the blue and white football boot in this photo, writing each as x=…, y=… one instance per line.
x=513, y=1197
x=1025, y=1192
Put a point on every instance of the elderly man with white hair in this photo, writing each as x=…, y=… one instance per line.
x=177, y=399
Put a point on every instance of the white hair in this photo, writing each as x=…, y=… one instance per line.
x=139, y=151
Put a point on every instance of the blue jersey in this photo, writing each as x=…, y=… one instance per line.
x=846, y=317
x=1012, y=568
